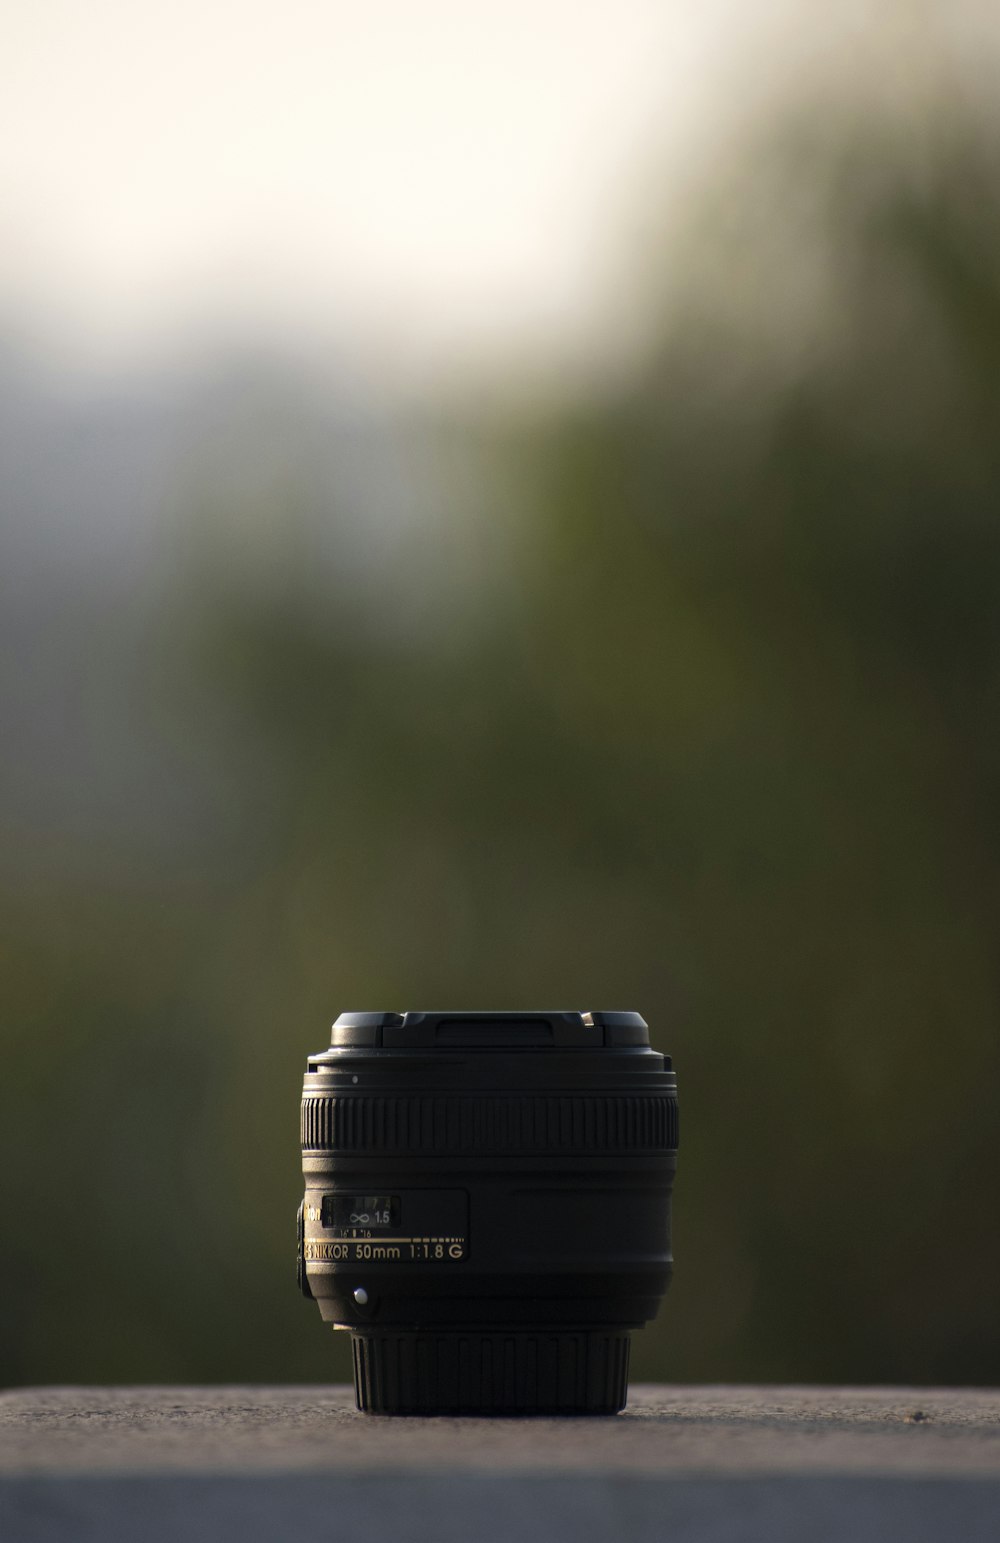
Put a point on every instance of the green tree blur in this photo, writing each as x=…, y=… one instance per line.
x=695, y=713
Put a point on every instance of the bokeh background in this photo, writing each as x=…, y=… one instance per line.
x=501, y=506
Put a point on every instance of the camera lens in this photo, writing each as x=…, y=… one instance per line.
x=487, y=1205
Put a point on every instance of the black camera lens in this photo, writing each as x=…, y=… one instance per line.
x=487, y=1205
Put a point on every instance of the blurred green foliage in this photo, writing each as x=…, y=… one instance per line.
x=696, y=713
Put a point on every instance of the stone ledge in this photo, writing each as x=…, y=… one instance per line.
x=700, y=1464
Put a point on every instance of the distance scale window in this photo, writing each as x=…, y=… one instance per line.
x=423, y=1225
x=371, y=1213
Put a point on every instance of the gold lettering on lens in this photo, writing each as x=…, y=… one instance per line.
x=352, y=1251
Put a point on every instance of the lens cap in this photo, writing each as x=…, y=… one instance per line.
x=489, y=1031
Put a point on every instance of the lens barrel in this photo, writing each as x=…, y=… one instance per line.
x=487, y=1205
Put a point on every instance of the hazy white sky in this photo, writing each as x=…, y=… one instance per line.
x=425, y=180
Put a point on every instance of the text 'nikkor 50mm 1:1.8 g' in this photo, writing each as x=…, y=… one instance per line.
x=487, y=1205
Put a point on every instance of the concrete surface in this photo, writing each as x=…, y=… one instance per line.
x=692, y=1465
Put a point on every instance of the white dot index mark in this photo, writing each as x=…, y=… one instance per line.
x=361, y=1296
x=354, y=1079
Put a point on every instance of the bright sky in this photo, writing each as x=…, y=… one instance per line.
x=426, y=180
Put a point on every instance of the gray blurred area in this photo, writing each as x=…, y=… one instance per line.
x=679, y=694
x=735, y=1465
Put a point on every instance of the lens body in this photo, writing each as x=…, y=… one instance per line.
x=487, y=1205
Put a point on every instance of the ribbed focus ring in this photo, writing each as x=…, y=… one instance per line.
x=501, y=1373
x=518, y=1123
